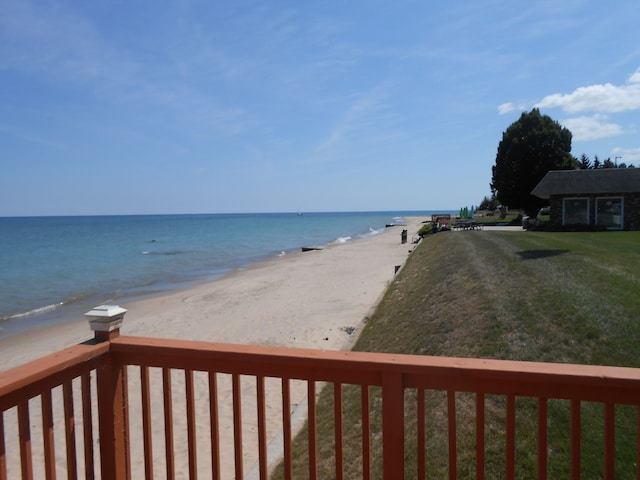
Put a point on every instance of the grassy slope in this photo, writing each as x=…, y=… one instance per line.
x=554, y=297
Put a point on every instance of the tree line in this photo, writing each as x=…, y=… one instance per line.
x=585, y=163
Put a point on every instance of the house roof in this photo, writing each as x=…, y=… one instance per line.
x=590, y=181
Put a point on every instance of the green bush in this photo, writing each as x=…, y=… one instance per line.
x=425, y=229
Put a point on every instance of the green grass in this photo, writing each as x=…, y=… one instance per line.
x=535, y=296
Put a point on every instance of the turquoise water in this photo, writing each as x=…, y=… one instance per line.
x=54, y=269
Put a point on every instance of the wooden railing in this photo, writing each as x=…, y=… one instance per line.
x=183, y=409
x=54, y=384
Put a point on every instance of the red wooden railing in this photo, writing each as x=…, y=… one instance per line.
x=144, y=395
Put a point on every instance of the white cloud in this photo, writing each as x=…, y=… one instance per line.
x=629, y=155
x=592, y=128
x=598, y=98
x=510, y=107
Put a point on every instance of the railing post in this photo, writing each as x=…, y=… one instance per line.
x=393, y=425
x=113, y=419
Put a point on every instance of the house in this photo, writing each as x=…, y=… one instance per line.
x=607, y=197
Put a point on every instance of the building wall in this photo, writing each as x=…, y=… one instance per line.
x=631, y=208
x=632, y=211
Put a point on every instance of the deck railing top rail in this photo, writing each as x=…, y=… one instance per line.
x=563, y=381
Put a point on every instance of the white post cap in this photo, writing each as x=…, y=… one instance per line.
x=105, y=318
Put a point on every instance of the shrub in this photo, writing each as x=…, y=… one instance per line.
x=425, y=229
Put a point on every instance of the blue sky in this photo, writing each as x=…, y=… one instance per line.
x=115, y=107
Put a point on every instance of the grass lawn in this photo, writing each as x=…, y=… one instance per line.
x=533, y=296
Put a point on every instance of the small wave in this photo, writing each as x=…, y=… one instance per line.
x=282, y=254
x=371, y=233
x=35, y=311
x=342, y=239
x=168, y=252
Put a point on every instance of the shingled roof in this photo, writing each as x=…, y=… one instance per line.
x=591, y=181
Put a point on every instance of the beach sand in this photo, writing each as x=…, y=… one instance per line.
x=316, y=299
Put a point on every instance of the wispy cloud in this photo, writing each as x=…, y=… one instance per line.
x=44, y=39
x=64, y=49
x=360, y=122
x=31, y=138
x=508, y=107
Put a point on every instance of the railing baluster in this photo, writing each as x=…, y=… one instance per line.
x=286, y=428
x=576, y=439
x=168, y=423
x=393, y=425
x=3, y=450
x=337, y=412
x=70, y=430
x=366, y=432
x=262, y=427
x=453, y=441
x=637, y=444
x=422, y=439
x=542, y=438
x=191, y=424
x=24, y=434
x=87, y=426
x=146, y=423
x=48, y=436
x=609, y=441
x=480, y=436
x=511, y=437
x=312, y=421
x=215, y=426
x=237, y=425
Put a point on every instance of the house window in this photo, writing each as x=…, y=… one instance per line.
x=575, y=211
x=609, y=212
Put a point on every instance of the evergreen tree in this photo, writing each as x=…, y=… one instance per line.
x=584, y=162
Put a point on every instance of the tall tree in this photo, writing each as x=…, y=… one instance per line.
x=530, y=147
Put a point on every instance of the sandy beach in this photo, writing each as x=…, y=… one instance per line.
x=315, y=299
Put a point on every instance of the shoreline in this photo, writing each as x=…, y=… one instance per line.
x=254, y=296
